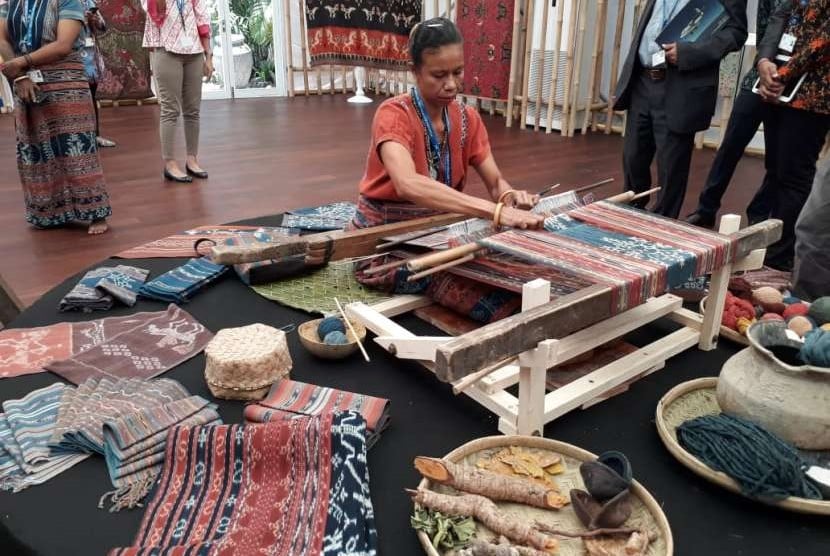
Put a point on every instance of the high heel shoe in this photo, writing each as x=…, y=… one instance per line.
x=202, y=174
x=180, y=179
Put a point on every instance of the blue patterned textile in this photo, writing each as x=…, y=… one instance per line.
x=182, y=283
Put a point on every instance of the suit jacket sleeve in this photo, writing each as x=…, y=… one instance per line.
x=768, y=45
x=696, y=55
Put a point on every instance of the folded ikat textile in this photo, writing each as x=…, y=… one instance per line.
x=182, y=283
x=298, y=487
x=333, y=216
x=97, y=290
x=289, y=399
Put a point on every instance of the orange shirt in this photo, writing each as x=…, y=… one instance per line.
x=397, y=120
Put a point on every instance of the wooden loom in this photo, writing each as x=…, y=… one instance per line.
x=520, y=349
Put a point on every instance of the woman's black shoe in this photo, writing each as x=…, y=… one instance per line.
x=180, y=179
x=202, y=175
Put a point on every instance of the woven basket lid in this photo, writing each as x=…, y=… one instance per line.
x=247, y=358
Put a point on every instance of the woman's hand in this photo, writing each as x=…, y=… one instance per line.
x=517, y=218
x=13, y=68
x=26, y=90
x=207, y=70
x=524, y=200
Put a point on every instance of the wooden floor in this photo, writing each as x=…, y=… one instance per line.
x=265, y=156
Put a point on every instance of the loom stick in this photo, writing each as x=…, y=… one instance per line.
x=560, y=13
x=469, y=380
x=548, y=189
x=354, y=333
x=388, y=266
x=440, y=267
x=441, y=257
x=390, y=244
x=615, y=65
x=593, y=185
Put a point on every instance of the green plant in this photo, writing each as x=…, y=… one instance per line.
x=253, y=20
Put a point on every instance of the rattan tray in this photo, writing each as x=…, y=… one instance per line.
x=646, y=511
x=696, y=398
x=725, y=331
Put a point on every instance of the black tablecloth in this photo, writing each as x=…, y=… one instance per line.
x=61, y=517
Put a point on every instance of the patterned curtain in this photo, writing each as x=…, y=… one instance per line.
x=127, y=65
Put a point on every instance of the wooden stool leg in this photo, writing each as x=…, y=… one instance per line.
x=729, y=224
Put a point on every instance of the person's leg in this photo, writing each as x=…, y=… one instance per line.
x=746, y=116
x=811, y=273
x=674, y=155
x=93, y=89
x=798, y=136
x=638, y=146
x=168, y=70
x=191, y=105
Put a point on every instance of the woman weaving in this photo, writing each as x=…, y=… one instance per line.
x=423, y=145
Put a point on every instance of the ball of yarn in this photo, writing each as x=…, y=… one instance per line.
x=771, y=316
x=335, y=338
x=800, y=325
x=330, y=324
x=789, y=300
x=735, y=308
x=759, y=312
x=769, y=298
x=742, y=324
x=816, y=348
x=820, y=310
x=826, y=326
x=796, y=309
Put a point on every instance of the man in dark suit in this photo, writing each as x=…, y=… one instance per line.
x=670, y=92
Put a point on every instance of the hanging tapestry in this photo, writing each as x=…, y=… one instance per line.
x=487, y=28
x=154, y=346
x=28, y=350
x=371, y=33
x=182, y=245
x=182, y=283
x=126, y=72
x=289, y=398
x=98, y=289
x=25, y=430
x=333, y=216
x=315, y=292
x=298, y=487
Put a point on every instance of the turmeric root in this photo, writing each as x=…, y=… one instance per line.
x=487, y=513
x=483, y=548
x=492, y=485
x=635, y=545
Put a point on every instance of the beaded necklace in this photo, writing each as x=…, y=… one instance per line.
x=439, y=155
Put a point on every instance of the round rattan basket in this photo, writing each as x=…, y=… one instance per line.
x=310, y=341
x=725, y=331
x=696, y=398
x=646, y=512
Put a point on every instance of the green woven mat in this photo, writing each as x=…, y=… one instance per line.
x=315, y=292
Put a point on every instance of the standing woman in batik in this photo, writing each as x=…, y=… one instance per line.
x=423, y=146
x=177, y=32
x=55, y=122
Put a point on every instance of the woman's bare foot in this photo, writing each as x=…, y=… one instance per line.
x=97, y=227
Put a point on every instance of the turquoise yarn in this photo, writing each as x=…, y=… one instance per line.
x=790, y=300
x=761, y=463
x=329, y=324
x=335, y=338
x=816, y=348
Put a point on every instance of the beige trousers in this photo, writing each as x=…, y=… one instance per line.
x=179, y=83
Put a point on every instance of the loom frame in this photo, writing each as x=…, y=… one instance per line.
x=534, y=406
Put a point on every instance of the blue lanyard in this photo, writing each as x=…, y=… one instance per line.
x=671, y=12
x=27, y=30
x=180, y=5
x=435, y=151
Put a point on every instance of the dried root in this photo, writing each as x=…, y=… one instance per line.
x=504, y=548
x=635, y=545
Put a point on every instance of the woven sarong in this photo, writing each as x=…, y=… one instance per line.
x=183, y=244
x=487, y=27
x=134, y=445
x=298, y=487
x=333, y=216
x=182, y=283
x=157, y=344
x=98, y=288
x=370, y=33
x=289, y=398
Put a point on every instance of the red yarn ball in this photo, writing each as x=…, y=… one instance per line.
x=796, y=309
x=772, y=316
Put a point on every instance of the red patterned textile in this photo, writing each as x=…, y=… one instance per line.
x=487, y=28
x=127, y=64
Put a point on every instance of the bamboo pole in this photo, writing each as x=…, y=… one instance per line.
x=289, y=48
x=343, y=77
x=541, y=65
x=566, y=98
x=331, y=79
x=596, y=63
x=615, y=66
x=304, y=44
x=435, y=8
x=638, y=7
x=514, y=62
x=319, y=81
x=580, y=47
x=600, y=64
x=531, y=6
x=560, y=16
x=449, y=10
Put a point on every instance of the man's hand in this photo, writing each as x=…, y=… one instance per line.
x=770, y=86
x=671, y=53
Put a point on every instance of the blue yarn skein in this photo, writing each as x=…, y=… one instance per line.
x=816, y=348
x=330, y=324
x=335, y=337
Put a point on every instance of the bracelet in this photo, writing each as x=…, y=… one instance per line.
x=497, y=214
x=503, y=197
x=21, y=78
x=28, y=59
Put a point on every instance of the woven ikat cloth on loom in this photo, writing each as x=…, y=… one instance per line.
x=157, y=343
x=636, y=253
x=25, y=429
x=370, y=33
x=298, y=487
x=182, y=245
x=488, y=30
x=288, y=399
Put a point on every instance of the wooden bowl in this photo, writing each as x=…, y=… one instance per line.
x=310, y=340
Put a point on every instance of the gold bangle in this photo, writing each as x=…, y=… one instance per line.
x=497, y=214
x=21, y=78
x=505, y=195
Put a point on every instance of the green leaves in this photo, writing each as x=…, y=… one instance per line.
x=444, y=531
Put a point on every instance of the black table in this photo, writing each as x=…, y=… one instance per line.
x=61, y=517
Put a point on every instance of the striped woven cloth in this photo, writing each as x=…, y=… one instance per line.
x=182, y=283
x=288, y=399
x=25, y=429
x=134, y=445
x=298, y=487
